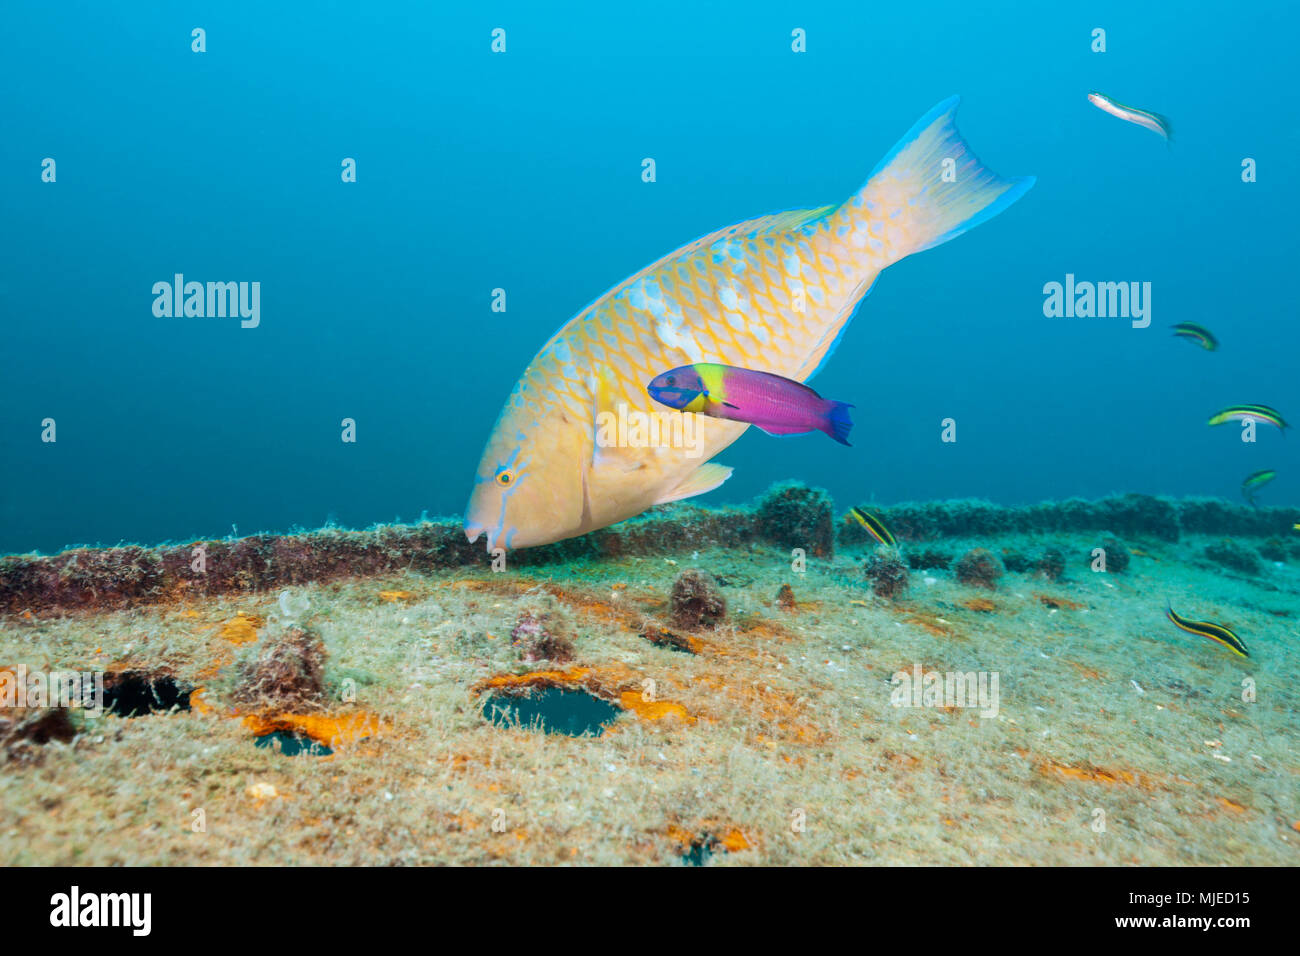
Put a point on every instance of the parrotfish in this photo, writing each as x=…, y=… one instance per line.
x=1198, y=334
x=777, y=405
x=875, y=527
x=773, y=293
x=1256, y=481
x=1131, y=114
x=1215, y=632
x=1259, y=413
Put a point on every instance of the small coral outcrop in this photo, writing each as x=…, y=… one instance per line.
x=930, y=559
x=785, y=598
x=887, y=572
x=288, y=672
x=1236, y=557
x=540, y=638
x=697, y=600
x=1051, y=564
x=1273, y=550
x=979, y=568
x=1114, y=557
x=792, y=515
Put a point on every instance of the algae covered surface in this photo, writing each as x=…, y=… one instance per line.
x=575, y=711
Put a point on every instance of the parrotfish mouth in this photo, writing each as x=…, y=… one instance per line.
x=472, y=531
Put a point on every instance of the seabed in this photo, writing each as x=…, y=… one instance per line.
x=413, y=706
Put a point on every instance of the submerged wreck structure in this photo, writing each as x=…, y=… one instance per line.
x=694, y=686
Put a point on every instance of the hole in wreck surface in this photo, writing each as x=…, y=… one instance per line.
x=554, y=710
x=137, y=693
x=292, y=745
x=702, y=849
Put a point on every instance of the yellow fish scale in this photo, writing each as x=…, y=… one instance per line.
x=729, y=297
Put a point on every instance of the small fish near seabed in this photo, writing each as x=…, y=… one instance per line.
x=1258, y=413
x=1131, y=114
x=1215, y=632
x=777, y=405
x=875, y=527
x=774, y=292
x=1198, y=334
x=1256, y=481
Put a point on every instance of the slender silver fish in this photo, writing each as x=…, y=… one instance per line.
x=1131, y=114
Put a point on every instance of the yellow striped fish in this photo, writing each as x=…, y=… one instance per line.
x=875, y=527
x=1215, y=632
x=580, y=444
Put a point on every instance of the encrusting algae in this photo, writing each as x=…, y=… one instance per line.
x=736, y=723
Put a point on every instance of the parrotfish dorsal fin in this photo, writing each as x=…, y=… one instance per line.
x=780, y=222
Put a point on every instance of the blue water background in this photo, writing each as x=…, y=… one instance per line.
x=522, y=171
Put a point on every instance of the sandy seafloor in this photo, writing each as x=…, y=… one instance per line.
x=1119, y=740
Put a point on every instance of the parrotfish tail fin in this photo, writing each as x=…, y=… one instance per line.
x=838, y=424
x=930, y=188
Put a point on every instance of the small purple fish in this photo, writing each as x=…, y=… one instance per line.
x=779, y=406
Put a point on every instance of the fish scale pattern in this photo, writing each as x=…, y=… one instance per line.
x=745, y=295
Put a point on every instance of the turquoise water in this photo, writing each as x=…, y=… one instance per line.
x=522, y=171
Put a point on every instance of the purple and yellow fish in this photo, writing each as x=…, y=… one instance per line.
x=773, y=403
x=772, y=293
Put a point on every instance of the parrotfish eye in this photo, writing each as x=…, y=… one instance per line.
x=505, y=477
x=672, y=379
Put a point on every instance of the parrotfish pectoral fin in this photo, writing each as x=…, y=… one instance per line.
x=930, y=188
x=702, y=479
